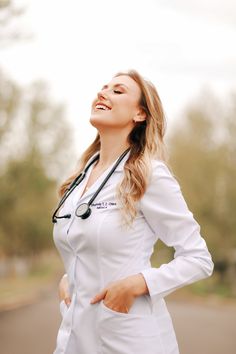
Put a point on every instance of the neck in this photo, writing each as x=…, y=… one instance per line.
x=112, y=146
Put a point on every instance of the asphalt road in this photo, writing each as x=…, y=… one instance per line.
x=200, y=328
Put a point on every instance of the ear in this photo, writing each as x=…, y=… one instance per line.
x=140, y=115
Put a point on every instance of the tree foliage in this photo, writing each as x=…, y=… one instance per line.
x=10, y=14
x=35, y=144
x=35, y=147
x=26, y=203
x=203, y=158
x=32, y=124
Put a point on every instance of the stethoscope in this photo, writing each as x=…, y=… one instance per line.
x=83, y=211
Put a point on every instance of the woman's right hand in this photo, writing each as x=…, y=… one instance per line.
x=64, y=290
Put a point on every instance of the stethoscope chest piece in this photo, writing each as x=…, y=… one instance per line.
x=83, y=211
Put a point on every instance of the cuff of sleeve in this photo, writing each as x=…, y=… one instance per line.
x=154, y=280
x=148, y=276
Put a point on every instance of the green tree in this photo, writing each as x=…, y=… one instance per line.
x=27, y=197
x=36, y=144
x=31, y=123
x=35, y=147
x=203, y=158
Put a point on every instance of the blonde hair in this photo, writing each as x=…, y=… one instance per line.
x=146, y=142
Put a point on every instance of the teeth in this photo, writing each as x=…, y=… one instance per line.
x=100, y=106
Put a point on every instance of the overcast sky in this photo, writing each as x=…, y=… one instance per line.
x=182, y=46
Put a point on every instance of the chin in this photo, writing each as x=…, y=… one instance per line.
x=97, y=121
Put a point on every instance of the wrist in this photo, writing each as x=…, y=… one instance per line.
x=138, y=285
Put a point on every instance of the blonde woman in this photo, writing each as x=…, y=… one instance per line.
x=110, y=217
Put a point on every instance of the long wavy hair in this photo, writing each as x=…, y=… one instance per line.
x=146, y=142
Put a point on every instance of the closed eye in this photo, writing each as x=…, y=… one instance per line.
x=117, y=91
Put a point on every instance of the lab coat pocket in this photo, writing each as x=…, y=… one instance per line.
x=128, y=333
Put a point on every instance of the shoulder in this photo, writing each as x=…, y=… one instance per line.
x=162, y=176
x=157, y=164
x=160, y=168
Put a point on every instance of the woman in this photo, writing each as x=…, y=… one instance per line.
x=115, y=303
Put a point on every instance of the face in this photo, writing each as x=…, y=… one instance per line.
x=117, y=105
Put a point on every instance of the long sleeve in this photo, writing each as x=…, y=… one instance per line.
x=167, y=214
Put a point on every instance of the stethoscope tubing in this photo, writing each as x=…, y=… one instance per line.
x=84, y=210
x=70, y=189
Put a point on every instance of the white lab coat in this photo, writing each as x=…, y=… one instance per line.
x=98, y=250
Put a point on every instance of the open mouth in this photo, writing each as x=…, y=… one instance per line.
x=102, y=107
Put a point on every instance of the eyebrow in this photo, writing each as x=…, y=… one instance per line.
x=116, y=85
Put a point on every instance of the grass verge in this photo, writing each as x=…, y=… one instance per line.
x=42, y=276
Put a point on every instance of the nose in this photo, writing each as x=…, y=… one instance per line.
x=102, y=94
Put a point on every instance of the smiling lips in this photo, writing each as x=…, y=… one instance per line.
x=102, y=106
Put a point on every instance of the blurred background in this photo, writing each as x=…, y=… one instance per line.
x=54, y=57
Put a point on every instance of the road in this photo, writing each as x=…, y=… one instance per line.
x=200, y=328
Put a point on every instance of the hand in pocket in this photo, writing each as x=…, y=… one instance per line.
x=64, y=294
